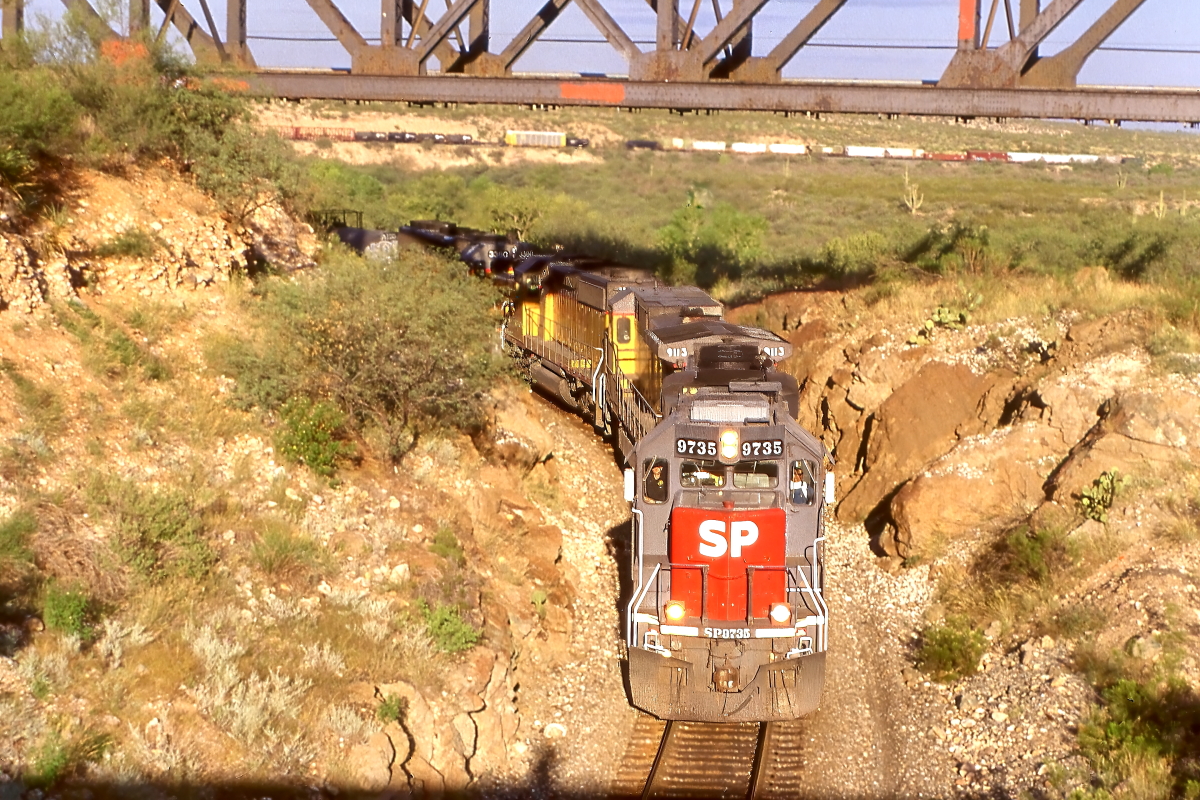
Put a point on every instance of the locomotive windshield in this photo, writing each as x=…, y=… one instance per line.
x=755, y=475
x=701, y=474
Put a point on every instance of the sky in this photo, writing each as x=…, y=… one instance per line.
x=896, y=40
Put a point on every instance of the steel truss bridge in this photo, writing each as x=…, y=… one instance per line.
x=996, y=69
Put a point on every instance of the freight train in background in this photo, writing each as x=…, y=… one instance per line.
x=727, y=620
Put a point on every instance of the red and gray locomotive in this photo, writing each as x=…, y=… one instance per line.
x=727, y=619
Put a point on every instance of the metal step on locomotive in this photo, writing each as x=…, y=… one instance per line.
x=727, y=621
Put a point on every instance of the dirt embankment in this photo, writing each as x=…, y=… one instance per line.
x=955, y=445
x=944, y=446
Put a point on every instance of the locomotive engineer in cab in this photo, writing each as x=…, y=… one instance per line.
x=656, y=482
x=801, y=484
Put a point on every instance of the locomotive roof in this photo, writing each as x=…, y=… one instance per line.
x=657, y=298
x=681, y=342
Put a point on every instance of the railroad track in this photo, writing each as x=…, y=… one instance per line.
x=756, y=761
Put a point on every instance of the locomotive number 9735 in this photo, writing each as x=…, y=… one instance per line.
x=769, y=447
x=696, y=447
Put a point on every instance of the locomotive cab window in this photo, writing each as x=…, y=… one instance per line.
x=624, y=330
x=802, y=483
x=657, y=480
x=755, y=475
x=701, y=475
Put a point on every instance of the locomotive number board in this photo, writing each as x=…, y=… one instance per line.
x=696, y=447
x=763, y=449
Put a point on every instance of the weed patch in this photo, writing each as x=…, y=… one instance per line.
x=68, y=611
x=1144, y=734
x=160, y=534
x=129, y=243
x=282, y=552
x=446, y=545
x=391, y=709
x=449, y=631
x=15, y=530
x=42, y=406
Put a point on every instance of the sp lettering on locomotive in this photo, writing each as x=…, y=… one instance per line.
x=714, y=544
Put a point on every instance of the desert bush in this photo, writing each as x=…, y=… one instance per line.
x=950, y=650
x=960, y=246
x=160, y=534
x=1143, y=736
x=449, y=631
x=345, y=722
x=858, y=254
x=310, y=435
x=116, y=635
x=1032, y=555
x=401, y=348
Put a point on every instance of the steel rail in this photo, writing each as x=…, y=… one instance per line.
x=1096, y=103
x=706, y=759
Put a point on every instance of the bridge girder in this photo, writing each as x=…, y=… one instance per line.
x=412, y=33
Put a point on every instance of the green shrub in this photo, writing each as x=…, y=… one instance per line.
x=402, y=348
x=950, y=650
x=310, y=435
x=131, y=242
x=391, y=708
x=446, y=545
x=1146, y=733
x=1097, y=499
x=38, y=118
x=67, y=610
x=160, y=534
x=858, y=254
x=960, y=246
x=449, y=631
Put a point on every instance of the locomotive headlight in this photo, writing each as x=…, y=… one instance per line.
x=729, y=444
x=781, y=613
x=675, y=611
